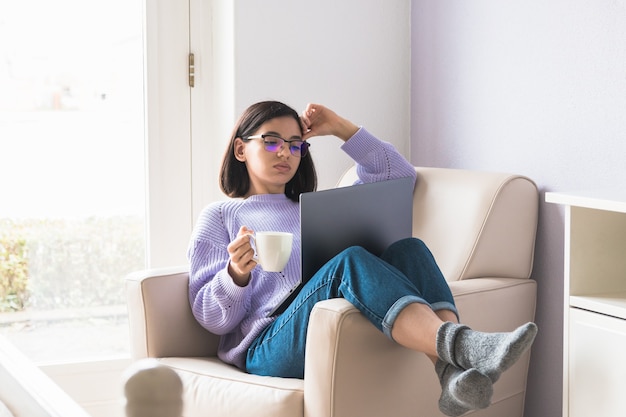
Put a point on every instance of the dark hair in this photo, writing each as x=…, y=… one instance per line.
x=234, y=178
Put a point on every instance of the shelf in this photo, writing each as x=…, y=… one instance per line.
x=594, y=318
x=610, y=200
x=610, y=304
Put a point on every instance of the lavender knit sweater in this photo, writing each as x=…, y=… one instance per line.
x=238, y=314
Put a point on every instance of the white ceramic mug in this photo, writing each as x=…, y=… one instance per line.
x=272, y=249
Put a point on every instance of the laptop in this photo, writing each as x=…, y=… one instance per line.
x=372, y=215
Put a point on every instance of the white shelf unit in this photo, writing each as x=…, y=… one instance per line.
x=594, y=349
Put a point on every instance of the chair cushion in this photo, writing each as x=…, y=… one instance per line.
x=213, y=388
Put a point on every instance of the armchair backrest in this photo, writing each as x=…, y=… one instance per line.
x=477, y=224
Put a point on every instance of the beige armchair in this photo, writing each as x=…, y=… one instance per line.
x=481, y=229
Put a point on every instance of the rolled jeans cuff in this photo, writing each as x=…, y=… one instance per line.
x=398, y=306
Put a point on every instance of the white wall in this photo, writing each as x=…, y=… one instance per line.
x=351, y=55
x=534, y=87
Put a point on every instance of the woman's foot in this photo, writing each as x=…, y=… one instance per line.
x=462, y=391
x=489, y=353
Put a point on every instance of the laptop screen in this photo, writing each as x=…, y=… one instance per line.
x=372, y=216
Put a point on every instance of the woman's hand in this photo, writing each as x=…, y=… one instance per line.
x=240, y=252
x=318, y=120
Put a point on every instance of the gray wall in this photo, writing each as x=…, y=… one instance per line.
x=532, y=87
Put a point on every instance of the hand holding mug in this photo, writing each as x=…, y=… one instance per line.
x=241, y=257
x=273, y=249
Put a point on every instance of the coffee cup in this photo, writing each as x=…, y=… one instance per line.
x=272, y=249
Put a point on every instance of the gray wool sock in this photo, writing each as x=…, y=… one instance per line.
x=462, y=391
x=490, y=353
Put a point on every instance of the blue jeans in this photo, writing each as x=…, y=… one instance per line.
x=380, y=287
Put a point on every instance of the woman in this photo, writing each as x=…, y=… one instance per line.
x=402, y=292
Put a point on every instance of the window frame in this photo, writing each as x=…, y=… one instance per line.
x=168, y=132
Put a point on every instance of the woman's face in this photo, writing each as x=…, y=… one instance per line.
x=270, y=171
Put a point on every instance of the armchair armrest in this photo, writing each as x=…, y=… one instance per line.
x=352, y=369
x=160, y=318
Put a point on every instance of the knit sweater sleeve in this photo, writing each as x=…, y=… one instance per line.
x=376, y=160
x=217, y=302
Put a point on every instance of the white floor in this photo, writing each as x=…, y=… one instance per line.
x=84, y=354
x=97, y=386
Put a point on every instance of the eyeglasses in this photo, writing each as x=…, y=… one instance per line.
x=273, y=143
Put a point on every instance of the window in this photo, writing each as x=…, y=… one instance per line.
x=72, y=152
